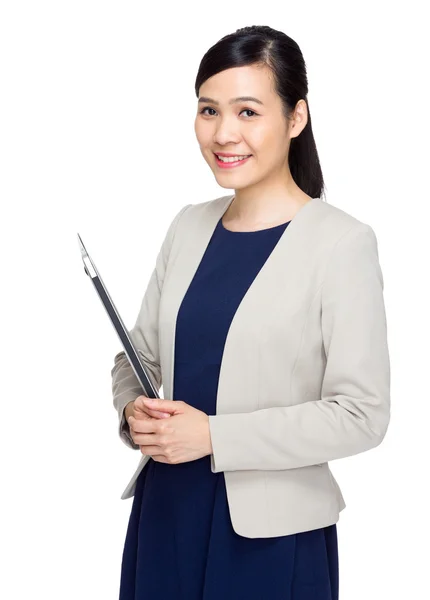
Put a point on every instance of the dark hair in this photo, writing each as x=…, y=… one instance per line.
x=260, y=44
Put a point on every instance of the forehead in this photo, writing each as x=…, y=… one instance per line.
x=250, y=80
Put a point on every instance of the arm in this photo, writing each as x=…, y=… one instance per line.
x=353, y=412
x=125, y=385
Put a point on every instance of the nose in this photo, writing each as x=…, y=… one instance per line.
x=226, y=133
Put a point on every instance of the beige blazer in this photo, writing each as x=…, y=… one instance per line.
x=305, y=373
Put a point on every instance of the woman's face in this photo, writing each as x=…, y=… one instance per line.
x=243, y=127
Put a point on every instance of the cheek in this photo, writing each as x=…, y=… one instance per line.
x=268, y=146
x=203, y=133
x=263, y=140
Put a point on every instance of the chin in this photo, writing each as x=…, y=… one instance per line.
x=226, y=187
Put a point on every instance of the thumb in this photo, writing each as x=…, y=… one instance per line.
x=161, y=404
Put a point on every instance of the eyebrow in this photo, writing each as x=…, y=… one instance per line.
x=232, y=101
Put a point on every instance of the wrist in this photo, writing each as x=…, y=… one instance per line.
x=210, y=448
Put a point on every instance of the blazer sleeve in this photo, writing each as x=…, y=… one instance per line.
x=353, y=412
x=125, y=385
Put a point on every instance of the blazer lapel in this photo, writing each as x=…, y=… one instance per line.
x=282, y=268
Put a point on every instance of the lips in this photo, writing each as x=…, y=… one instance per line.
x=231, y=165
x=229, y=155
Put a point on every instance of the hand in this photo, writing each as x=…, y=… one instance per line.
x=183, y=437
x=139, y=410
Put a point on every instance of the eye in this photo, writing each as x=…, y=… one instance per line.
x=249, y=110
x=245, y=109
x=202, y=112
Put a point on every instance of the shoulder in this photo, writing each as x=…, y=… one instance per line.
x=337, y=221
x=339, y=229
x=351, y=248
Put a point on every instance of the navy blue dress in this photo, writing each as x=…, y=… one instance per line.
x=180, y=543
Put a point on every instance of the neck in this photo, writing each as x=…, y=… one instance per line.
x=256, y=207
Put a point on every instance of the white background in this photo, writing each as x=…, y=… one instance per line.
x=97, y=112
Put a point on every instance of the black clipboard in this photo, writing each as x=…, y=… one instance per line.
x=130, y=349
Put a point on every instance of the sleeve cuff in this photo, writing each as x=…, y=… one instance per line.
x=124, y=429
x=228, y=453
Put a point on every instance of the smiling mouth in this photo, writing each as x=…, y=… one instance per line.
x=225, y=164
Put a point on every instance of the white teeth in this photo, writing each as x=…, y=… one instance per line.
x=231, y=158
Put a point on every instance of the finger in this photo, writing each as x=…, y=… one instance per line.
x=160, y=414
x=143, y=425
x=151, y=413
x=150, y=449
x=149, y=440
x=143, y=438
x=157, y=457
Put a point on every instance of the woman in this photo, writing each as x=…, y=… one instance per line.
x=264, y=319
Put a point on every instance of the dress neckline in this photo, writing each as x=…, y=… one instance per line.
x=229, y=231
